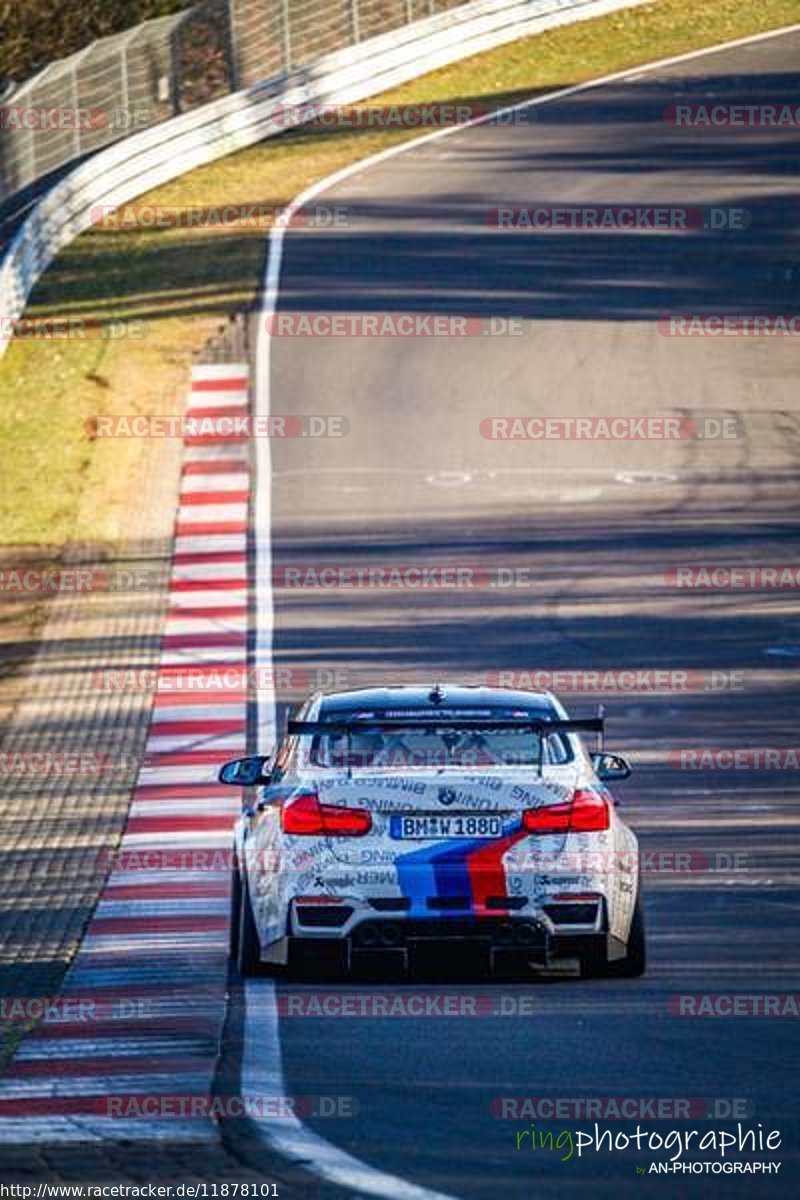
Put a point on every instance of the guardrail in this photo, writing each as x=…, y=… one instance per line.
x=128, y=168
x=128, y=81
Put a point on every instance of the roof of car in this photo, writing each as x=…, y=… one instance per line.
x=446, y=697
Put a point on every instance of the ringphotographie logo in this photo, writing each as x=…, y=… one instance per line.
x=675, y=1142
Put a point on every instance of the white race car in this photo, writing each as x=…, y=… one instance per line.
x=397, y=822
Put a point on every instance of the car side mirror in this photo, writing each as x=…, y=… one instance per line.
x=247, y=772
x=609, y=767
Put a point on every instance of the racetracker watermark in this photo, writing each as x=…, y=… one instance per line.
x=74, y=764
x=182, y=1106
x=729, y=325
x=735, y=1004
x=633, y=681
x=226, y=216
x=409, y=1004
x=625, y=682
x=564, y=865
x=375, y=116
x=44, y=120
x=78, y=329
x=618, y=1108
x=193, y=860
x=444, y=576
x=731, y=577
x=74, y=1010
x=617, y=218
x=390, y=325
x=627, y=864
x=609, y=429
x=217, y=679
x=751, y=758
x=51, y=581
x=219, y=426
x=732, y=116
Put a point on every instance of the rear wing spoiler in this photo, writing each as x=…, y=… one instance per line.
x=311, y=728
x=456, y=724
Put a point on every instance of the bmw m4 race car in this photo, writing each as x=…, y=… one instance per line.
x=395, y=823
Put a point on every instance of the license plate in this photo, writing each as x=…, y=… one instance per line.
x=454, y=825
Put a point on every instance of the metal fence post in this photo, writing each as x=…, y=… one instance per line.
x=75, y=105
x=126, y=95
x=23, y=155
x=287, y=38
x=175, y=75
x=232, y=44
x=77, y=60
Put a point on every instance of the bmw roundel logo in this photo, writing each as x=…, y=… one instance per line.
x=446, y=796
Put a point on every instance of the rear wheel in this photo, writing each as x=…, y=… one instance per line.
x=248, y=949
x=635, y=961
x=236, y=909
x=597, y=966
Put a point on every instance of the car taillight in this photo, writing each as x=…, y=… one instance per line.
x=306, y=816
x=586, y=812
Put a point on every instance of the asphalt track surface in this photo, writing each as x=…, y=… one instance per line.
x=597, y=526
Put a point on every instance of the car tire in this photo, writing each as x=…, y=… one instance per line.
x=235, y=915
x=248, y=949
x=597, y=966
x=634, y=963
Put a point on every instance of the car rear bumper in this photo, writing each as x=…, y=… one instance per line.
x=358, y=932
x=438, y=950
x=445, y=918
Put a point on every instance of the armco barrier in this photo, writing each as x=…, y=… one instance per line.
x=136, y=164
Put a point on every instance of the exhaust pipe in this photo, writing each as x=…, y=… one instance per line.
x=390, y=934
x=367, y=936
x=525, y=934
